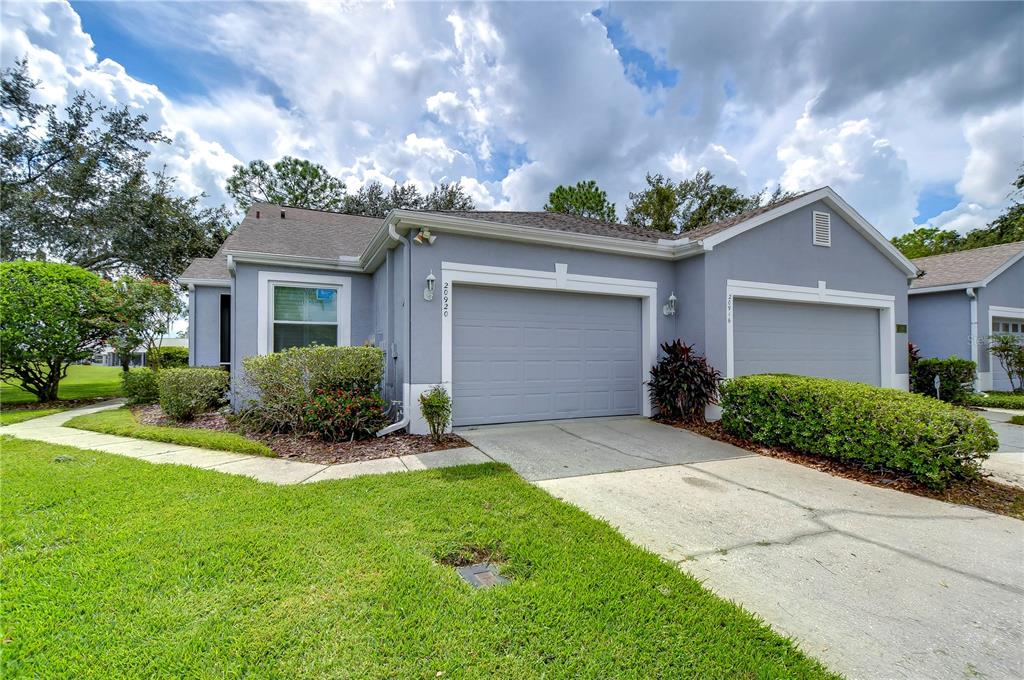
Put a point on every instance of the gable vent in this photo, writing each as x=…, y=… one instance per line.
x=822, y=229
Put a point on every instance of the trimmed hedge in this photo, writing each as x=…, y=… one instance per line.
x=282, y=384
x=140, y=386
x=187, y=392
x=169, y=357
x=933, y=441
x=1011, y=400
x=956, y=378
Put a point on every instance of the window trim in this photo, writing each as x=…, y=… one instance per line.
x=265, y=300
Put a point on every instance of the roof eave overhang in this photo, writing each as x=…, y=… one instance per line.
x=342, y=263
x=192, y=281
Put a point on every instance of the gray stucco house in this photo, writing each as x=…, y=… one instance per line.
x=962, y=299
x=536, y=315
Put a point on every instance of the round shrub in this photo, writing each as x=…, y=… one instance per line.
x=339, y=415
x=140, y=386
x=187, y=392
x=879, y=428
x=167, y=357
x=956, y=378
x=683, y=383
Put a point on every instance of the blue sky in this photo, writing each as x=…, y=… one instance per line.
x=515, y=99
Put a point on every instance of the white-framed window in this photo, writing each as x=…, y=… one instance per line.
x=1007, y=326
x=304, y=315
x=298, y=309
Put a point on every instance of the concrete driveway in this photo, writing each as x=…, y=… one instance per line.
x=875, y=583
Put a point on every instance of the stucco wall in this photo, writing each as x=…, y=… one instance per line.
x=1006, y=290
x=781, y=252
x=204, y=325
x=940, y=324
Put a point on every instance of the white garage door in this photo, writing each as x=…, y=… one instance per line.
x=826, y=341
x=522, y=355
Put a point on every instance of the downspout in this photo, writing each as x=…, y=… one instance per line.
x=973, y=294
x=404, y=422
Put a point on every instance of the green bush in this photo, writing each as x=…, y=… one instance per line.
x=187, y=392
x=167, y=357
x=278, y=386
x=140, y=386
x=933, y=441
x=1011, y=400
x=338, y=415
x=956, y=378
x=436, y=407
x=683, y=383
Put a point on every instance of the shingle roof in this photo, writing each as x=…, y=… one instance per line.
x=211, y=268
x=561, y=222
x=310, y=233
x=966, y=266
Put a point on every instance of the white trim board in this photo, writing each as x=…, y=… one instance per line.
x=993, y=312
x=885, y=304
x=558, y=280
x=263, y=301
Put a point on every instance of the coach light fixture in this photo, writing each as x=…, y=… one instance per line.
x=428, y=292
x=670, y=307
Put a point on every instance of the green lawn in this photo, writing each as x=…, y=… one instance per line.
x=158, y=570
x=81, y=382
x=10, y=417
x=122, y=422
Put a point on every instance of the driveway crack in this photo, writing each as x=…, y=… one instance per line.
x=610, y=448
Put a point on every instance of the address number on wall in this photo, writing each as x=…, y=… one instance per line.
x=445, y=297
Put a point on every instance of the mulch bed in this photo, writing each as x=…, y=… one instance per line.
x=985, y=494
x=60, y=403
x=310, y=449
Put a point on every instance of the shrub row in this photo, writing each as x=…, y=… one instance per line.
x=878, y=428
x=1011, y=400
x=279, y=387
x=168, y=357
x=187, y=392
x=140, y=386
x=956, y=378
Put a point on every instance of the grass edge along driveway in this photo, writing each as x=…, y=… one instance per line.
x=141, y=570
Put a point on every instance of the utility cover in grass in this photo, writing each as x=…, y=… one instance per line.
x=481, y=575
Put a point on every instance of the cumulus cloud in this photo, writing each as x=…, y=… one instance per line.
x=513, y=99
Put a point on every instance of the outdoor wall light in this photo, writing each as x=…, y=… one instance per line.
x=428, y=292
x=669, y=309
x=424, y=237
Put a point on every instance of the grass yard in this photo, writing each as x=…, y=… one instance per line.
x=122, y=422
x=158, y=570
x=81, y=382
x=12, y=416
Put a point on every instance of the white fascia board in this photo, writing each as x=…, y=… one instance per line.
x=342, y=263
x=945, y=289
x=217, y=283
x=1006, y=265
x=834, y=201
x=407, y=220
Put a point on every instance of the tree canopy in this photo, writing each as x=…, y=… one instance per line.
x=585, y=199
x=689, y=204
x=143, y=312
x=373, y=200
x=52, y=316
x=75, y=188
x=289, y=181
x=1007, y=228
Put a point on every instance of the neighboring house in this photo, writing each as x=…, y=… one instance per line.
x=962, y=299
x=108, y=356
x=537, y=315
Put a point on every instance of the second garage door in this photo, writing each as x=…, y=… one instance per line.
x=826, y=341
x=539, y=355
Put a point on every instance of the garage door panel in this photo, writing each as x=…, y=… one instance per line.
x=826, y=341
x=562, y=356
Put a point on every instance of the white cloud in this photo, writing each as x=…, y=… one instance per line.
x=997, y=149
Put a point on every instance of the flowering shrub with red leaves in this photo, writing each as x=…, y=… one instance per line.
x=338, y=415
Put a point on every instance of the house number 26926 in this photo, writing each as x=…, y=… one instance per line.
x=445, y=296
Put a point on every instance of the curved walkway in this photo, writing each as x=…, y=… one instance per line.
x=51, y=429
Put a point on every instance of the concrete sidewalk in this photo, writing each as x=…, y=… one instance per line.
x=1007, y=464
x=51, y=429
